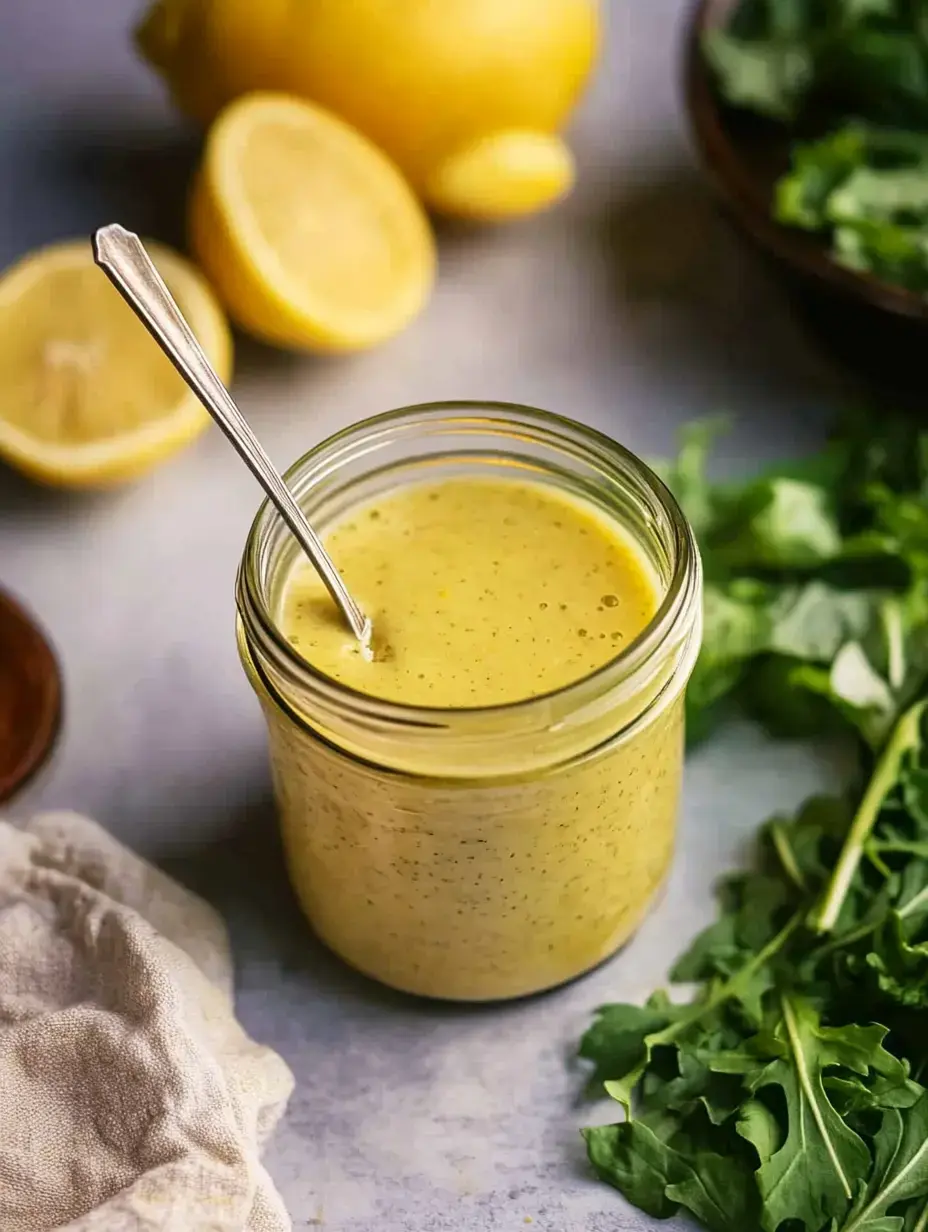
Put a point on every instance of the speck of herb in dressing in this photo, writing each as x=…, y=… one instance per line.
x=503, y=608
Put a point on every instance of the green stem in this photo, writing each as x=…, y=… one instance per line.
x=787, y=856
x=895, y=644
x=730, y=988
x=845, y=940
x=813, y=1101
x=873, y=855
x=922, y=1222
x=905, y=737
x=901, y=847
x=913, y=904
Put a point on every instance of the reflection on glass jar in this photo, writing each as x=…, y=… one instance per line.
x=476, y=854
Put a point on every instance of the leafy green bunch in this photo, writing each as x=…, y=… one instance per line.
x=785, y=58
x=816, y=582
x=814, y=63
x=787, y=1095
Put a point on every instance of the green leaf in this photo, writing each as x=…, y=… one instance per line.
x=773, y=1101
x=857, y=690
x=736, y=627
x=916, y=1218
x=615, y=1041
x=659, y=1179
x=742, y=985
x=775, y=692
x=813, y=622
x=719, y=1191
x=894, y=253
x=776, y=523
x=899, y=969
x=758, y=1125
x=812, y=1177
x=871, y=195
x=686, y=475
x=633, y=1159
x=752, y=910
x=803, y=846
x=900, y=1169
x=803, y=196
x=769, y=78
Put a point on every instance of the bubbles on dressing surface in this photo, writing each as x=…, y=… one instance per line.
x=484, y=590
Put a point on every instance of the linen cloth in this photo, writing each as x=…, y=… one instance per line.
x=131, y=1100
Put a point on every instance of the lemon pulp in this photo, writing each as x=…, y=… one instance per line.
x=86, y=396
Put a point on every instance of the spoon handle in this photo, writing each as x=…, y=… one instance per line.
x=122, y=257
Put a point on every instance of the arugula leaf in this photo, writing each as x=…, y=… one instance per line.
x=900, y=969
x=900, y=1169
x=753, y=909
x=856, y=689
x=631, y=1157
x=786, y=1095
x=718, y=1191
x=916, y=1219
x=758, y=1125
x=615, y=1041
x=813, y=1173
x=660, y=1180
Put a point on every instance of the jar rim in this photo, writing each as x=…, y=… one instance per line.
x=680, y=602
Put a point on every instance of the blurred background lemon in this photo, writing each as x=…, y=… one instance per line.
x=467, y=96
x=310, y=235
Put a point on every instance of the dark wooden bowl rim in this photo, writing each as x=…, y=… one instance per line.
x=747, y=197
x=30, y=697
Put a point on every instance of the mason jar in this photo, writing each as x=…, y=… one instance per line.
x=477, y=854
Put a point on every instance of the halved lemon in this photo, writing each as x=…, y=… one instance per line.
x=309, y=233
x=86, y=397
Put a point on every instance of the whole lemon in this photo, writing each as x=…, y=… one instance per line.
x=467, y=96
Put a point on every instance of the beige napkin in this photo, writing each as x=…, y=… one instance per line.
x=130, y=1098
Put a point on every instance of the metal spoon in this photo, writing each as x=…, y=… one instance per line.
x=122, y=257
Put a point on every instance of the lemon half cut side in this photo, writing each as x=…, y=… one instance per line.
x=87, y=398
x=310, y=234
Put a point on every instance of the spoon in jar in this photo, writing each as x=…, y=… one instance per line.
x=122, y=257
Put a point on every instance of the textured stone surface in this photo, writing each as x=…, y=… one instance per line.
x=631, y=308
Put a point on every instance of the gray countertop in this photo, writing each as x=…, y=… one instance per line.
x=632, y=308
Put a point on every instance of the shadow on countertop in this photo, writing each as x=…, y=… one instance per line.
x=672, y=247
x=682, y=276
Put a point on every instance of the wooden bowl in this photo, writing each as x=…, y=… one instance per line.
x=30, y=697
x=876, y=326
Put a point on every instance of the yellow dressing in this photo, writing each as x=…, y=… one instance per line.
x=481, y=592
x=451, y=878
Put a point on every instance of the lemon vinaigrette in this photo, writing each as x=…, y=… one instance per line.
x=481, y=592
x=488, y=808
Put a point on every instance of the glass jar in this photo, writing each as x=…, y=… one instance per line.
x=477, y=854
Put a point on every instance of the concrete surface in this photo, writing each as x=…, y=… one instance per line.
x=632, y=308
